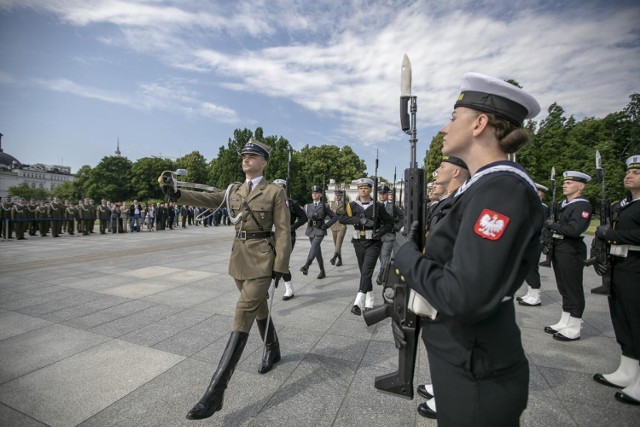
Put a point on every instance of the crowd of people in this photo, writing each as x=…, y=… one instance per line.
x=21, y=218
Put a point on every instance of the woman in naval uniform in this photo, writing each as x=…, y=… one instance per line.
x=476, y=257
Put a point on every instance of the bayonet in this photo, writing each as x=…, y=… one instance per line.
x=405, y=77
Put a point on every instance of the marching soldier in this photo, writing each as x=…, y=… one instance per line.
x=297, y=219
x=388, y=238
x=19, y=217
x=104, y=213
x=338, y=230
x=569, y=254
x=624, y=302
x=370, y=222
x=258, y=255
x=532, y=298
x=5, y=217
x=316, y=212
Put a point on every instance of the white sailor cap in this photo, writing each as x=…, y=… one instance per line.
x=541, y=188
x=633, y=162
x=364, y=181
x=429, y=184
x=492, y=95
x=576, y=176
x=280, y=181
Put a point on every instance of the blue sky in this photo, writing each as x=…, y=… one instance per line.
x=170, y=77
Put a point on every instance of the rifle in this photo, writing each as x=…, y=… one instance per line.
x=394, y=187
x=395, y=293
x=600, y=247
x=289, y=175
x=375, y=194
x=547, y=235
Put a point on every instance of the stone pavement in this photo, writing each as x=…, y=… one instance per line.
x=126, y=330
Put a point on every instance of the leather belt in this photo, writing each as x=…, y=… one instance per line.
x=247, y=235
x=318, y=223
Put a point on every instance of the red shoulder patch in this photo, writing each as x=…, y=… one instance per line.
x=286, y=203
x=490, y=224
x=585, y=214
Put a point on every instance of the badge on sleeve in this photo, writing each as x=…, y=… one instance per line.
x=585, y=214
x=490, y=224
x=286, y=203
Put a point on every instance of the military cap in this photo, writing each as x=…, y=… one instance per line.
x=383, y=189
x=491, y=95
x=364, y=181
x=254, y=146
x=541, y=187
x=280, y=182
x=338, y=192
x=455, y=161
x=576, y=176
x=316, y=189
x=633, y=162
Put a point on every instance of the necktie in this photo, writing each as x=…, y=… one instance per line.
x=316, y=204
x=249, y=186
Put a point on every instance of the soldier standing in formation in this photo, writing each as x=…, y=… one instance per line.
x=19, y=217
x=32, y=223
x=532, y=298
x=370, y=222
x=56, y=213
x=338, y=230
x=258, y=255
x=298, y=218
x=43, y=219
x=5, y=218
x=476, y=258
x=623, y=237
x=71, y=213
x=316, y=212
x=569, y=254
x=388, y=238
x=104, y=214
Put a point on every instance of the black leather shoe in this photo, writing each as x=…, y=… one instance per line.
x=599, y=378
x=356, y=310
x=304, y=269
x=422, y=391
x=287, y=297
x=600, y=290
x=339, y=262
x=550, y=330
x=425, y=411
x=621, y=396
x=558, y=336
x=321, y=275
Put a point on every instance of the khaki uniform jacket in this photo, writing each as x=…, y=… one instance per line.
x=253, y=258
x=338, y=208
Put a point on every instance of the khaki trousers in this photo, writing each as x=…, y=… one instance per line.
x=252, y=303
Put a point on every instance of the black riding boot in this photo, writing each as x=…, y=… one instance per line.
x=333, y=260
x=213, y=397
x=339, y=262
x=321, y=275
x=272, y=354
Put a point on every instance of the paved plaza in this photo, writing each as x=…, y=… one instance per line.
x=126, y=330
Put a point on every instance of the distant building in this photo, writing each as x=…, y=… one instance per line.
x=38, y=175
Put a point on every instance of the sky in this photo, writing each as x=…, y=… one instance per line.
x=167, y=77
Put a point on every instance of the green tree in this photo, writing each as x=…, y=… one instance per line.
x=226, y=167
x=64, y=191
x=144, y=177
x=81, y=183
x=196, y=166
x=25, y=191
x=110, y=179
x=433, y=156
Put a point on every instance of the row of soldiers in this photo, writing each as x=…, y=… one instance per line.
x=22, y=217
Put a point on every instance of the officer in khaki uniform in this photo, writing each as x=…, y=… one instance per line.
x=338, y=230
x=256, y=207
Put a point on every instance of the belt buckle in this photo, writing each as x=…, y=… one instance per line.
x=242, y=235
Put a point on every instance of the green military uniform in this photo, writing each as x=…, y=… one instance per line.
x=42, y=216
x=252, y=260
x=19, y=218
x=71, y=213
x=56, y=216
x=93, y=215
x=32, y=223
x=5, y=219
x=83, y=216
x=104, y=213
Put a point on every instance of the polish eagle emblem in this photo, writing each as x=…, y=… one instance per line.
x=490, y=224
